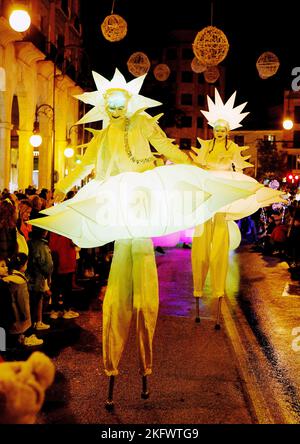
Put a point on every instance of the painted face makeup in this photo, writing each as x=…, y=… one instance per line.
x=116, y=105
x=220, y=132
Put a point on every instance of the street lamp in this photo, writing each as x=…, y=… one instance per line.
x=288, y=121
x=36, y=139
x=19, y=18
x=69, y=150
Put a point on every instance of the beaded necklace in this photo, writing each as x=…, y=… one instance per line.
x=128, y=150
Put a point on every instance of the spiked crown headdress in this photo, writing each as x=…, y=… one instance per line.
x=104, y=87
x=219, y=111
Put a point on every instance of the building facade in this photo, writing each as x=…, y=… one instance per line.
x=38, y=79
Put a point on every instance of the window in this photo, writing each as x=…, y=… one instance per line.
x=172, y=77
x=293, y=162
x=186, y=99
x=239, y=140
x=200, y=122
x=65, y=7
x=187, y=53
x=201, y=100
x=187, y=76
x=186, y=121
x=185, y=144
x=171, y=54
x=297, y=114
x=296, y=139
x=270, y=138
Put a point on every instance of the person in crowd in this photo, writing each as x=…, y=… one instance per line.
x=293, y=243
x=20, y=301
x=278, y=236
x=37, y=204
x=8, y=232
x=40, y=267
x=6, y=312
x=64, y=259
x=25, y=208
x=46, y=197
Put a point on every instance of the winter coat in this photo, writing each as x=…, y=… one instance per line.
x=63, y=252
x=6, y=311
x=8, y=242
x=40, y=264
x=18, y=286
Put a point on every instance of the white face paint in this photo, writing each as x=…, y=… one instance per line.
x=220, y=130
x=116, y=105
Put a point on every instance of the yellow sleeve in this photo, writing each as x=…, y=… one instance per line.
x=239, y=161
x=159, y=140
x=84, y=168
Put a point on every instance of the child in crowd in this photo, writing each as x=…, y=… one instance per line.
x=6, y=314
x=20, y=302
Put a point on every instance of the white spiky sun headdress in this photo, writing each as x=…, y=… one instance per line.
x=104, y=87
x=219, y=111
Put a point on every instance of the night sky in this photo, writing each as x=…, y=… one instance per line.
x=251, y=27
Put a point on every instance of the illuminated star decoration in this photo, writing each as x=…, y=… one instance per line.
x=219, y=111
x=136, y=102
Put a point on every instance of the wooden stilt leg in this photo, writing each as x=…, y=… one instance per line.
x=109, y=405
x=197, y=319
x=145, y=393
x=218, y=325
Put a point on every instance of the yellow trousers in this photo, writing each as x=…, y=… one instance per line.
x=132, y=289
x=210, y=250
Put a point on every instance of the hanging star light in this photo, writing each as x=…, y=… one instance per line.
x=97, y=98
x=138, y=64
x=225, y=112
x=210, y=46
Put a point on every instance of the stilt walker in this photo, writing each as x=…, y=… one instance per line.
x=210, y=247
x=123, y=145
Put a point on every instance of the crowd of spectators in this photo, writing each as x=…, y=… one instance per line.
x=38, y=269
x=276, y=232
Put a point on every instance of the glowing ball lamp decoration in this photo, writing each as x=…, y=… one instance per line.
x=267, y=65
x=161, y=72
x=212, y=74
x=197, y=66
x=114, y=28
x=138, y=64
x=19, y=20
x=210, y=46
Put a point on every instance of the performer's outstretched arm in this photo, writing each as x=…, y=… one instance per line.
x=83, y=169
x=159, y=140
